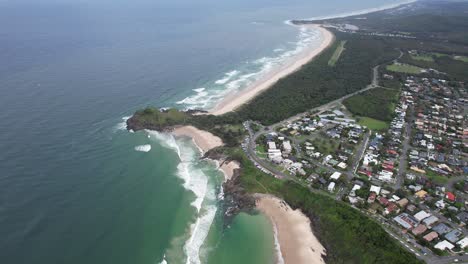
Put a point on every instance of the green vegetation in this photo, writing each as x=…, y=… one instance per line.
x=373, y=124
x=316, y=83
x=378, y=103
x=436, y=178
x=422, y=57
x=456, y=68
x=261, y=151
x=348, y=235
x=404, y=68
x=326, y=145
x=228, y=128
x=154, y=118
x=461, y=58
x=336, y=55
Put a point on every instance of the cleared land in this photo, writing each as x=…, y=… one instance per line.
x=336, y=55
x=404, y=68
x=422, y=57
x=373, y=124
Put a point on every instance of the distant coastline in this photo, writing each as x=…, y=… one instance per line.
x=357, y=13
x=234, y=100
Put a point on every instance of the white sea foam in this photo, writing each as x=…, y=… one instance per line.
x=251, y=72
x=122, y=125
x=197, y=182
x=143, y=148
x=200, y=230
x=163, y=261
x=228, y=76
x=279, y=255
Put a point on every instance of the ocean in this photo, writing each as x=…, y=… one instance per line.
x=75, y=186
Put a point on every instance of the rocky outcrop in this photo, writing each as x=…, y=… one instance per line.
x=236, y=198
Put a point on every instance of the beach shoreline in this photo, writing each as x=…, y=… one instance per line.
x=297, y=242
x=236, y=99
x=205, y=141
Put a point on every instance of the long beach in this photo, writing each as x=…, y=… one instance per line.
x=234, y=100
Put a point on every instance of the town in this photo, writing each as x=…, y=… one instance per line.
x=409, y=176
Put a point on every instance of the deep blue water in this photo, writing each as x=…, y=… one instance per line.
x=72, y=187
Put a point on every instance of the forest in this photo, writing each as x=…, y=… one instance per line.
x=316, y=83
x=378, y=103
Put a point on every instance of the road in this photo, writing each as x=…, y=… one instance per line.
x=390, y=228
x=404, y=153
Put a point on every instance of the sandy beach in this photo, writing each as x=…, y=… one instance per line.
x=203, y=139
x=298, y=245
x=228, y=169
x=234, y=100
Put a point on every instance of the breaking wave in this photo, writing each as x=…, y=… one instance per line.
x=228, y=77
x=198, y=182
x=252, y=71
x=122, y=125
x=279, y=255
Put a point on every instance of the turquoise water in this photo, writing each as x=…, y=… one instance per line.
x=73, y=188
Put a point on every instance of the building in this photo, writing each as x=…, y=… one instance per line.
x=421, y=215
x=453, y=236
x=450, y=196
x=463, y=243
x=335, y=176
x=371, y=197
x=431, y=236
x=421, y=194
x=430, y=221
x=406, y=221
x=441, y=229
x=375, y=189
x=331, y=187
x=444, y=245
x=402, y=202
x=463, y=217
x=419, y=230
x=271, y=145
x=287, y=147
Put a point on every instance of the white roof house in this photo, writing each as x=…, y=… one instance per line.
x=375, y=189
x=331, y=187
x=287, y=146
x=335, y=176
x=463, y=243
x=342, y=165
x=271, y=145
x=353, y=191
x=444, y=245
x=421, y=215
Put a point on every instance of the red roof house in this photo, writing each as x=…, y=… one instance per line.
x=450, y=196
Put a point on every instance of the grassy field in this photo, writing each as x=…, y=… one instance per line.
x=325, y=145
x=336, y=55
x=404, y=68
x=461, y=58
x=373, y=124
x=422, y=57
x=261, y=151
x=438, y=179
